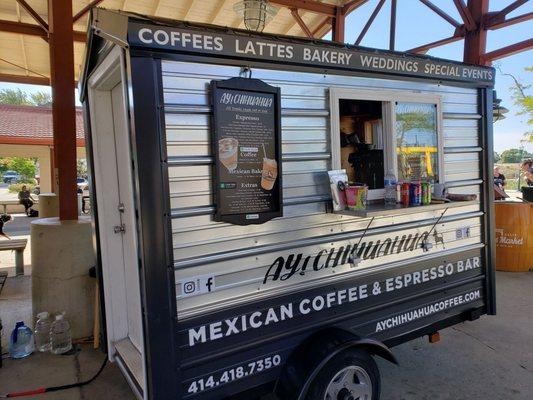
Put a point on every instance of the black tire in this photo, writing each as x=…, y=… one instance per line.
x=348, y=358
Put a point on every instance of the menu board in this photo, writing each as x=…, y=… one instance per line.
x=247, y=151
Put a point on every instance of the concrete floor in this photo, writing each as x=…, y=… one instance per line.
x=491, y=358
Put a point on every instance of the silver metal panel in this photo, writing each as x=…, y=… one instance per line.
x=244, y=277
x=239, y=256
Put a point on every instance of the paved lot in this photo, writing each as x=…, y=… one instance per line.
x=491, y=358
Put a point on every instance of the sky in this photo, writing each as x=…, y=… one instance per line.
x=417, y=25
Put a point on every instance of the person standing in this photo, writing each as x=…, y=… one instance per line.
x=527, y=168
x=25, y=199
x=499, y=178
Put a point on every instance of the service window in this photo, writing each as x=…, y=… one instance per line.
x=380, y=131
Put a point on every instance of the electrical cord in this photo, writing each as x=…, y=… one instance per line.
x=54, y=388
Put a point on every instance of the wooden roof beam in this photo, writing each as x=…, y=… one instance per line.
x=218, y=11
x=29, y=80
x=510, y=8
x=326, y=21
x=34, y=30
x=308, y=5
x=23, y=28
x=509, y=22
x=352, y=5
x=468, y=20
x=425, y=48
x=41, y=22
x=85, y=10
x=392, y=31
x=441, y=13
x=508, y=51
x=301, y=22
x=189, y=9
x=369, y=22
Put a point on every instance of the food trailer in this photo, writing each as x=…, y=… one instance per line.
x=226, y=269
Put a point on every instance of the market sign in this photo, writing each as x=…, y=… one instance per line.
x=297, y=52
x=246, y=144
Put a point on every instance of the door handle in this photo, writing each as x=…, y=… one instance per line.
x=119, y=228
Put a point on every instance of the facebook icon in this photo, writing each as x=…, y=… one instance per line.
x=196, y=285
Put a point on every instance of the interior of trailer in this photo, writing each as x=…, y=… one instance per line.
x=375, y=133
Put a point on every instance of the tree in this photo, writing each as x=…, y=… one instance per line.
x=81, y=168
x=14, y=96
x=524, y=101
x=41, y=98
x=514, y=155
x=408, y=119
x=24, y=166
x=21, y=98
x=496, y=157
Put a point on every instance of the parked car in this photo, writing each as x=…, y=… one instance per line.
x=12, y=177
x=82, y=183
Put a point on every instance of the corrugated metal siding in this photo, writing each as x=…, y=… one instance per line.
x=240, y=256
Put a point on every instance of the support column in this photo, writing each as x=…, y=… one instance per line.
x=476, y=40
x=45, y=171
x=61, y=42
x=53, y=176
x=338, y=25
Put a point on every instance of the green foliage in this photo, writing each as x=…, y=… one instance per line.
x=41, y=98
x=14, y=96
x=17, y=187
x=21, y=98
x=407, y=121
x=81, y=168
x=514, y=155
x=24, y=166
x=4, y=162
x=496, y=157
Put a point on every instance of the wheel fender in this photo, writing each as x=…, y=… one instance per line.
x=308, y=359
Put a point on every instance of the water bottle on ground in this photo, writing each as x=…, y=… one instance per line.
x=60, y=338
x=21, y=341
x=390, y=188
x=42, y=332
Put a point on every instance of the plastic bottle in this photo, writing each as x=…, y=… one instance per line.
x=60, y=338
x=21, y=341
x=42, y=332
x=390, y=188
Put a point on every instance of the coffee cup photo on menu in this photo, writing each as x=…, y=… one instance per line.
x=228, y=152
x=270, y=171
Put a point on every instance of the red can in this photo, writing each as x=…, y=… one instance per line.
x=405, y=193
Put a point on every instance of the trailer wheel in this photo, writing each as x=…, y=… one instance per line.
x=351, y=375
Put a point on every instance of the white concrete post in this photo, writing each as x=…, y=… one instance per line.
x=62, y=254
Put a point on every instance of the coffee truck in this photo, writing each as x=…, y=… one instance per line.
x=226, y=272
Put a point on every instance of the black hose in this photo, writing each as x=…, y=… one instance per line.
x=55, y=388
